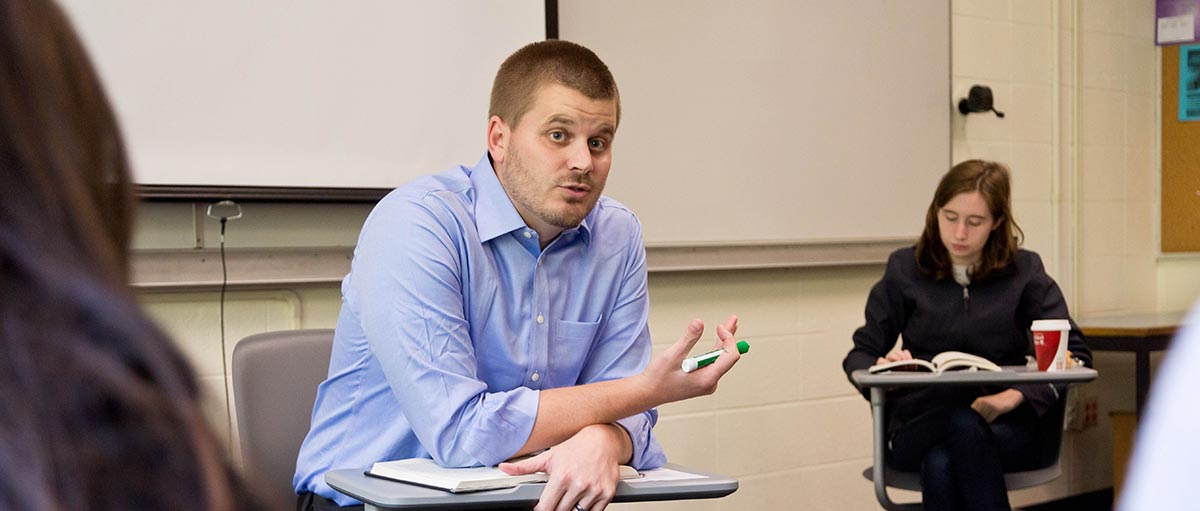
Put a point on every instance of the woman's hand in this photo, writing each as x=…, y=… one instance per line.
x=995, y=405
x=894, y=356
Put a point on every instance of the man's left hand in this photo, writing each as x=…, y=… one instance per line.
x=995, y=405
x=583, y=470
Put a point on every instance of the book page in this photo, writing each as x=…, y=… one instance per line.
x=915, y=364
x=426, y=472
x=664, y=474
x=949, y=360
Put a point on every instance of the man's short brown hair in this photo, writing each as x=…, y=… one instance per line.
x=550, y=61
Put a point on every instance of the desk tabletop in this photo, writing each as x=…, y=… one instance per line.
x=385, y=494
x=1144, y=324
x=1008, y=376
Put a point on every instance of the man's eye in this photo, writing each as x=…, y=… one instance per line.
x=597, y=144
x=558, y=136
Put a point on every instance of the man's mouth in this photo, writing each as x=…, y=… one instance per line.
x=576, y=189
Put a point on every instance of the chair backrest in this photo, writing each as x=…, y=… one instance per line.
x=275, y=378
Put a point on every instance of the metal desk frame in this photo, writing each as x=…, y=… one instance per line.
x=881, y=382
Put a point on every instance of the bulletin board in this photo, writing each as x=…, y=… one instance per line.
x=1180, y=165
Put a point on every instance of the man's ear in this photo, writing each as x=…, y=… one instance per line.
x=498, y=135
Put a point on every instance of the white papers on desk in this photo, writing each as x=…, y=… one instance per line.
x=663, y=474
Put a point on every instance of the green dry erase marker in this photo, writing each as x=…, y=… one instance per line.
x=698, y=361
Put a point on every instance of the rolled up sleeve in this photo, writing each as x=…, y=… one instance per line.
x=647, y=453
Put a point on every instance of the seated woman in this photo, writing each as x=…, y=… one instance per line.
x=966, y=286
x=98, y=410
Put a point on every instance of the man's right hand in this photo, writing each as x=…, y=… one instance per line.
x=667, y=382
x=583, y=470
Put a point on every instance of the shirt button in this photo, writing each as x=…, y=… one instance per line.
x=528, y=235
x=540, y=319
x=535, y=377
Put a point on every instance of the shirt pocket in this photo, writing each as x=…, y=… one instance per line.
x=569, y=349
x=576, y=330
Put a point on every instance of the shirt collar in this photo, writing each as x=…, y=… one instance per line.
x=585, y=229
x=495, y=214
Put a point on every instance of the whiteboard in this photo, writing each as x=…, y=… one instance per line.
x=323, y=93
x=774, y=120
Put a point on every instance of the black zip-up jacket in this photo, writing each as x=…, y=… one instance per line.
x=990, y=318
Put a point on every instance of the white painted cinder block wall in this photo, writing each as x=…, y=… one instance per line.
x=786, y=422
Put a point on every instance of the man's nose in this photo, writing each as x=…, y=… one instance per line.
x=580, y=158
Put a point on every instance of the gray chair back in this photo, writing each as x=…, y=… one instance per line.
x=275, y=378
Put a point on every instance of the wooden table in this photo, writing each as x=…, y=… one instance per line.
x=1139, y=334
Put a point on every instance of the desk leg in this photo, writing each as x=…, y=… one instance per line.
x=1142, y=383
x=880, y=446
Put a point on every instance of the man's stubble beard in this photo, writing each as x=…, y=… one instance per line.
x=524, y=190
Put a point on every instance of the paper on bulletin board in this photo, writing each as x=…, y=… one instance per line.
x=1177, y=21
x=1189, y=83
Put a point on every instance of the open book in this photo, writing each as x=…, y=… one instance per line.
x=944, y=361
x=425, y=472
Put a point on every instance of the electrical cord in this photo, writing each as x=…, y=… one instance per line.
x=224, y=217
x=224, y=358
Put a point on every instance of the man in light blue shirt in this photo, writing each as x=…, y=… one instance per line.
x=498, y=310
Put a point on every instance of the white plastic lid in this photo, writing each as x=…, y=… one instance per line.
x=689, y=365
x=1050, y=325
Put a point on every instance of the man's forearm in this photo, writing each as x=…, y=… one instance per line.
x=562, y=412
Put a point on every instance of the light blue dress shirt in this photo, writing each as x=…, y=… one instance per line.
x=453, y=319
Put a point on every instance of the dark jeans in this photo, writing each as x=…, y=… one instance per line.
x=962, y=458
x=313, y=502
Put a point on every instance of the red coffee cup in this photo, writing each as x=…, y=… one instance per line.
x=1050, y=343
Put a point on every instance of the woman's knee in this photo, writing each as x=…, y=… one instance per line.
x=963, y=422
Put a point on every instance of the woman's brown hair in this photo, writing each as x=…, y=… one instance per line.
x=991, y=180
x=98, y=410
